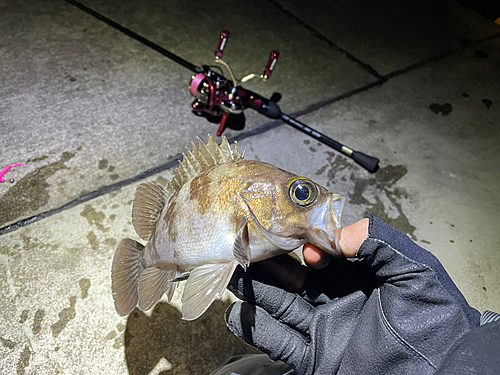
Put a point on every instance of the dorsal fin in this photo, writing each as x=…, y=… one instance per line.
x=149, y=201
x=201, y=158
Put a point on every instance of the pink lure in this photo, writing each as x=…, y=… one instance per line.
x=6, y=169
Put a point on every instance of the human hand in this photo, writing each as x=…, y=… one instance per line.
x=395, y=311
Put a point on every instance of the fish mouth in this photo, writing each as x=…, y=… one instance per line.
x=324, y=220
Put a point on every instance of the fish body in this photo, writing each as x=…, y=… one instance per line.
x=219, y=210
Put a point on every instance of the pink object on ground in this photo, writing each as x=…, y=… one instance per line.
x=6, y=169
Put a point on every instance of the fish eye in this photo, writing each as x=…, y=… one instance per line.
x=302, y=191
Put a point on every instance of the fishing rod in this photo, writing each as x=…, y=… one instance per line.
x=221, y=100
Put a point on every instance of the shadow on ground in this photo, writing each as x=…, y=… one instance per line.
x=195, y=347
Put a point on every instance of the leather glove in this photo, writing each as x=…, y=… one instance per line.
x=395, y=310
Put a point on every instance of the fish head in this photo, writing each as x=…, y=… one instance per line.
x=291, y=210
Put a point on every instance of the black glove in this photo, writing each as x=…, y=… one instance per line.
x=395, y=311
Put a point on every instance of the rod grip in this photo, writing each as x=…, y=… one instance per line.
x=366, y=161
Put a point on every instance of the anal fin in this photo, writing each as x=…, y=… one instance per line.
x=205, y=284
x=153, y=283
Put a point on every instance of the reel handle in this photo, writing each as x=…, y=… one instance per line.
x=222, y=43
x=273, y=59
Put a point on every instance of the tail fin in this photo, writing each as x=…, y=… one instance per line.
x=125, y=275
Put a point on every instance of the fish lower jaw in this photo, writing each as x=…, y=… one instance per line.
x=325, y=242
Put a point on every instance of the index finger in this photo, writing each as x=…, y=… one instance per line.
x=315, y=257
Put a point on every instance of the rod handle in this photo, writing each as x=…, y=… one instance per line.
x=368, y=162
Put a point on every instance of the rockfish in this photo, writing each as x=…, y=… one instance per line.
x=218, y=211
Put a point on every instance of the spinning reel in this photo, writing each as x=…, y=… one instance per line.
x=221, y=100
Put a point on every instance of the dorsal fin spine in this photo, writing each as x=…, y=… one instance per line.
x=204, y=151
x=193, y=163
x=201, y=158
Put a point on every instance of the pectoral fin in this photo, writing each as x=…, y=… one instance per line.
x=153, y=283
x=205, y=284
x=241, y=247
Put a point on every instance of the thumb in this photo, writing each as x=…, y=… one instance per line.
x=258, y=328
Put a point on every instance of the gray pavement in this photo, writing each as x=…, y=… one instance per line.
x=91, y=113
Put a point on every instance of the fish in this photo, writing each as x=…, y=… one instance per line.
x=219, y=211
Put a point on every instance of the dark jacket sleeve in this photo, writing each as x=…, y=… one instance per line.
x=411, y=321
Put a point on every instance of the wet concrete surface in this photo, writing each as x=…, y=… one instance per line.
x=85, y=109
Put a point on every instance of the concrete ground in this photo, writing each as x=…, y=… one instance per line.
x=91, y=113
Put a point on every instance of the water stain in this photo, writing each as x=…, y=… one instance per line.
x=24, y=361
x=312, y=149
x=39, y=158
x=487, y=102
x=65, y=316
x=114, y=177
x=338, y=164
x=92, y=238
x=24, y=316
x=37, y=321
x=465, y=95
x=103, y=164
x=31, y=192
x=307, y=141
x=6, y=250
x=444, y=109
x=94, y=217
x=111, y=168
x=111, y=335
x=373, y=191
x=110, y=242
x=118, y=342
x=321, y=170
x=9, y=344
x=84, y=286
x=120, y=327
